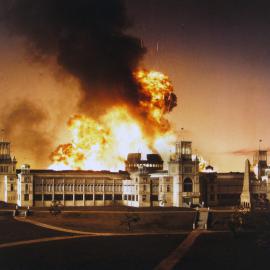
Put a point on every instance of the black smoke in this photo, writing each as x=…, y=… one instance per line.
x=87, y=38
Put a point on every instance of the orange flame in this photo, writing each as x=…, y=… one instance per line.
x=104, y=143
x=157, y=97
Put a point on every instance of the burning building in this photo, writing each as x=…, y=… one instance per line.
x=105, y=142
x=144, y=184
x=134, y=161
x=90, y=44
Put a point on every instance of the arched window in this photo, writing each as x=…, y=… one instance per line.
x=187, y=185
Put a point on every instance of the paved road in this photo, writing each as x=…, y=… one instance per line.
x=176, y=256
x=40, y=240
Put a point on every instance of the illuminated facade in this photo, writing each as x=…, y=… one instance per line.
x=143, y=184
x=8, y=176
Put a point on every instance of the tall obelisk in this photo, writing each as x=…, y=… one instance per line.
x=245, y=195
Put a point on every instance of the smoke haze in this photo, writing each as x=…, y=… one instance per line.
x=88, y=41
x=23, y=123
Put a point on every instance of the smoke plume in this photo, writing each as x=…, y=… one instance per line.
x=23, y=124
x=88, y=40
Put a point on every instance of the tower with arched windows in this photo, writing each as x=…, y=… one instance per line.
x=8, y=184
x=184, y=168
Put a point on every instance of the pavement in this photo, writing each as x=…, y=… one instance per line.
x=40, y=240
x=176, y=256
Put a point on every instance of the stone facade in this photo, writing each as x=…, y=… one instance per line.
x=143, y=184
x=8, y=177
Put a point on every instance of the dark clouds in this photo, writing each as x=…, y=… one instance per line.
x=230, y=28
x=88, y=39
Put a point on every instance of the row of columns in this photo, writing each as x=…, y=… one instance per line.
x=94, y=193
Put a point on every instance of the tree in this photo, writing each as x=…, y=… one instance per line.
x=55, y=208
x=257, y=222
x=129, y=220
x=237, y=220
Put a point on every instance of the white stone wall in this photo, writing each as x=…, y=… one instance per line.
x=10, y=188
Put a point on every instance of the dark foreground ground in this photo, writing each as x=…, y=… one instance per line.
x=114, y=252
x=212, y=250
x=12, y=230
x=132, y=252
x=224, y=252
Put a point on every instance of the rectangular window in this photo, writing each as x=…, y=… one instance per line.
x=58, y=197
x=68, y=197
x=78, y=197
x=11, y=187
x=37, y=197
x=26, y=197
x=89, y=197
x=26, y=188
x=154, y=197
x=118, y=197
x=168, y=188
x=108, y=197
x=212, y=197
x=47, y=197
x=99, y=197
x=143, y=198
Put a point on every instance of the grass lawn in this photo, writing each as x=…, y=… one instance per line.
x=132, y=252
x=122, y=208
x=12, y=230
x=114, y=221
x=223, y=251
x=219, y=220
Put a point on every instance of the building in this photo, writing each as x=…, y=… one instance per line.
x=143, y=184
x=8, y=176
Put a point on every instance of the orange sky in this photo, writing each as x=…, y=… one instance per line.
x=215, y=115
x=222, y=95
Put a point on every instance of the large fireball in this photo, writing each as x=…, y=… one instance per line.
x=103, y=144
x=157, y=97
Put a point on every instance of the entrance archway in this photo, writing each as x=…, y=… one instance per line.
x=187, y=185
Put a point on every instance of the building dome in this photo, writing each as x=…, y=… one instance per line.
x=209, y=167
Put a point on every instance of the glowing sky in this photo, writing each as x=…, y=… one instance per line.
x=217, y=56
